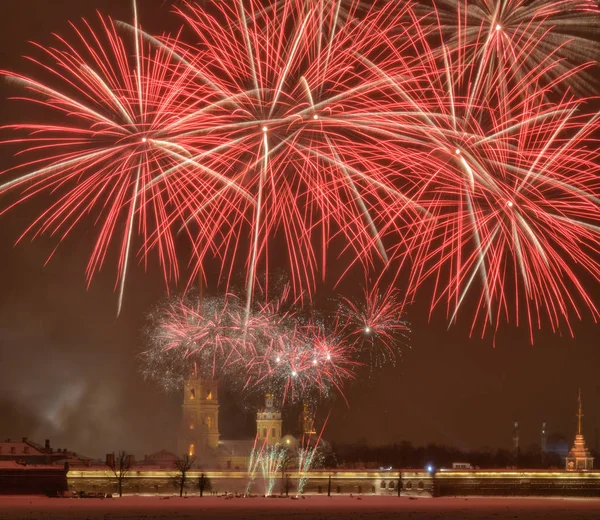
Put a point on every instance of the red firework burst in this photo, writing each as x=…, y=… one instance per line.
x=376, y=325
x=510, y=183
x=330, y=123
x=303, y=364
x=107, y=145
x=294, y=118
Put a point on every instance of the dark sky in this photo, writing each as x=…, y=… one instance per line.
x=68, y=368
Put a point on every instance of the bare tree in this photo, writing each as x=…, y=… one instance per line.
x=120, y=465
x=204, y=484
x=183, y=466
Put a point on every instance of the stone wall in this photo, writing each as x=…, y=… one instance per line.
x=342, y=482
x=32, y=480
x=345, y=482
x=517, y=483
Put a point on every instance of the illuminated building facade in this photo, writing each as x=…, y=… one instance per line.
x=268, y=424
x=199, y=430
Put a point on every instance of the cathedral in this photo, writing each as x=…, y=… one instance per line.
x=199, y=430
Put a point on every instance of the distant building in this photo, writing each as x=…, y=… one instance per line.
x=462, y=465
x=579, y=457
x=199, y=431
x=29, y=452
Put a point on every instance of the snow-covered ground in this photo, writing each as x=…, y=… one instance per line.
x=313, y=508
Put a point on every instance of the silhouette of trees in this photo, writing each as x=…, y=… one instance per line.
x=183, y=466
x=120, y=464
x=405, y=455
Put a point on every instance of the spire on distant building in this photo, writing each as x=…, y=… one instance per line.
x=579, y=413
x=579, y=457
x=307, y=421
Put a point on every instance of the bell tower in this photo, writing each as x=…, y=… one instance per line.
x=199, y=430
x=268, y=423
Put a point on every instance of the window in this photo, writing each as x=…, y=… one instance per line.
x=382, y=484
x=209, y=422
x=420, y=485
x=192, y=450
x=273, y=433
x=391, y=485
x=264, y=432
x=209, y=395
x=192, y=393
x=409, y=485
x=191, y=426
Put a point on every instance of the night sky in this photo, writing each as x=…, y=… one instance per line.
x=68, y=365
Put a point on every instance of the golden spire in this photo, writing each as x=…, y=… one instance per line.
x=579, y=414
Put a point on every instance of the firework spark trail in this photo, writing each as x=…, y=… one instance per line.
x=513, y=37
x=309, y=457
x=254, y=463
x=271, y=460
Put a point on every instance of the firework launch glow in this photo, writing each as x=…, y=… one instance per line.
x=451, y=144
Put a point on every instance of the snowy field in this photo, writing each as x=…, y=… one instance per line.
x=313, y=508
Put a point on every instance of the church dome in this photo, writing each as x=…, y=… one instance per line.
x=290, y=442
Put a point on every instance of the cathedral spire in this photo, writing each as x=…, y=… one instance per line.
x=579, y=413
x=579, y=457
